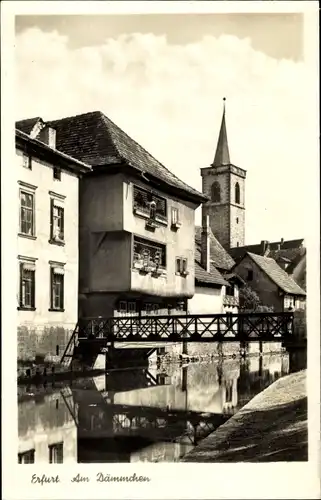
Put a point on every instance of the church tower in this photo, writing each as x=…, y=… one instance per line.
x=224, y=184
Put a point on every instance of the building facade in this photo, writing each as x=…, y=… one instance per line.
x=272, y=284
x=47, y=241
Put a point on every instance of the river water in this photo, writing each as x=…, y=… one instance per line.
x=149, y=415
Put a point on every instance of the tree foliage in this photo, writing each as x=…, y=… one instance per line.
x=250, y=301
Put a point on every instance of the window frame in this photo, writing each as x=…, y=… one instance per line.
x=181, y=266
x=56, y=173
x=145, y=260
x=57, y=203
x=31, y=306
x=22, y=210
x=26, y=453
x=250, y=275
x=237, y=193
x=53, y=449
x=53, y=284
x=26, y=161
x=143, y=209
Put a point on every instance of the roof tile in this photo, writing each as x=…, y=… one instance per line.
x=277, y=274
x=95, y=139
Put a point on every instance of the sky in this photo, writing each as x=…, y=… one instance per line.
x=162, y=79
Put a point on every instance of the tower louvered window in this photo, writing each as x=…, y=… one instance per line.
x=216, y=192
x=237, y=193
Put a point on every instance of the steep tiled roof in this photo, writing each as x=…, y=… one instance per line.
x=95, y=139
x=289, y=249
x=277, y=274
x=202, y=276
x=219, y=256
x=44, y=151
x=27, y=125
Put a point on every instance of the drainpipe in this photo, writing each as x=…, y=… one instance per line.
x=205, y=244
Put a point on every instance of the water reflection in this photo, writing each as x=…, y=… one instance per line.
x=140, y=415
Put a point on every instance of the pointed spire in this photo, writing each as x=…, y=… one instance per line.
x=222, y=155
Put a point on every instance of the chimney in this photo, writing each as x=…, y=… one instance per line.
x=265, y=247
x=48, y=136
x=205, y=244
x=282, y=241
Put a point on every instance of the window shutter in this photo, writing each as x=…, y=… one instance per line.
x=33, y=285
x=62, y=291
x=51, y=217
x=20, y=284
x=51, y=288
x=62, y=223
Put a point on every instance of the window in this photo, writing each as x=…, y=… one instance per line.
x=56, y=453
x=230, y=290
x=27, y=285
x=237, y=193
x=175, y=218
x=57, y=221
x=27, y=210
x=237, y=244
x=149, y=204
x=57, y=173
x=148, y=254
x=237, y=220
x=250, y=274
x=57, y=288
x=228, y=392
x=26, y=161
x=27, y=457
x=216, y=192
x=288, y=302
x=181, y=266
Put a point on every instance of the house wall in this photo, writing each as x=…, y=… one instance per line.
x=108, y=225
x=41, y=424
x=41, y=330
x=267, y=291
x=206, y=301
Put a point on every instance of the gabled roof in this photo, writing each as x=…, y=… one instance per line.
x=219, y=256
x=27, y=125
x=95, y=139
x=213, y=277
x=277, y=274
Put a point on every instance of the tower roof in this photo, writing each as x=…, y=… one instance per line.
x=222, y=155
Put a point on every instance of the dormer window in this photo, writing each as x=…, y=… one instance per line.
x=26, y=161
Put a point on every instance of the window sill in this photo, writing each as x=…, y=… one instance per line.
x=162, y=220
x=22, y=308
x=56, y=310
x=57, y=242
x=28, y=236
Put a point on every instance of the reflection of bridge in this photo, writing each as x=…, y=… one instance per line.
x=243, y=327
x=98, y=416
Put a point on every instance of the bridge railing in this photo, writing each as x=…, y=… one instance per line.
x=190, y=328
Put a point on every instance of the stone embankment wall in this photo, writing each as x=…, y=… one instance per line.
x=42, y=340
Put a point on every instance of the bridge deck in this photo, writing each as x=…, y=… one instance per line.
x=189, y=328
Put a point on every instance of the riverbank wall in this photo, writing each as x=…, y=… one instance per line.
x=271, y=427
